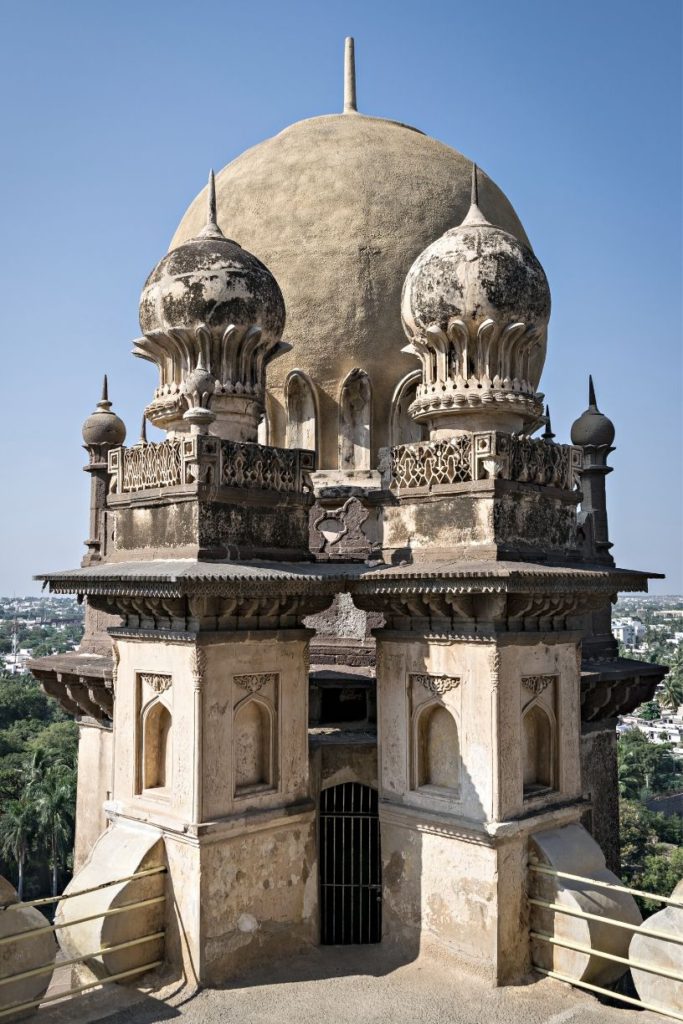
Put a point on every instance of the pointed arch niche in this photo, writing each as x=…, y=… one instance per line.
x=254, y=746
x=436, y=749
x=302, y=412
x=539, y=736
x=156, y=746
x=402, y=427
x=355, y=417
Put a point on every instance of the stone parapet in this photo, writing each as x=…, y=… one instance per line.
x=189, y=463
x=437, y=467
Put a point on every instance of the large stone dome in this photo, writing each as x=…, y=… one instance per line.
x=338, y=207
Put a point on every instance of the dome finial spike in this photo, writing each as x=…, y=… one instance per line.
x=349, y=76
x=211, y=208
x=105, y=389
x=143, y=430
x=592, y=404
x=474, y=194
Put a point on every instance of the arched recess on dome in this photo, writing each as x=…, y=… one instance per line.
x=538, y=750
x=436, y=747
x=157, y=746
x=355, y=418
x=301, y=404
x=253, y=740
x=403, y=429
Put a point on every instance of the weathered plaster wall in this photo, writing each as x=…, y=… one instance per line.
x=454, y=861
x=601, y=786
x=481, y=516
x=95, y=745
x=259, y=895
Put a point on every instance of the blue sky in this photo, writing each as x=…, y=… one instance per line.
x=111, y=113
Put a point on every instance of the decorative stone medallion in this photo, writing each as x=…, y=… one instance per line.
x=537, y=684
x=255, y=681
x=436, y=684
x=156, y=682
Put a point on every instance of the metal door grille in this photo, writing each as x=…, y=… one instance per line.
x=350, y=866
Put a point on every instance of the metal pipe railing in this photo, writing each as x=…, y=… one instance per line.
x=45, y=900
x=651, y=932
x=80, y=988
x=606, y=885
x=590, y=951
x=48, y=968
x=607, y=992
x=81, y=920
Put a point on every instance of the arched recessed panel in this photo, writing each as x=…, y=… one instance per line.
x=252, y=745
x=301, y=412
x=438, y=749
x=355, y=416
x=403, y=429
x=537, y=750
x=157, y=748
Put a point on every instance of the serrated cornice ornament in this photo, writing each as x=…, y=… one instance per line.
x=254, y=681
x=158, y=683
x=436, y=684
x=537, y=684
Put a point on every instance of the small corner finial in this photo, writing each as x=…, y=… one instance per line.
x=143, y=430
x=105, y=389
x=592, y=404
x=548, y=432
x=349, y=76
x=474, y=192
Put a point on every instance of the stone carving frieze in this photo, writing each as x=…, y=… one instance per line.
x=537, y=684
x=205, y=460
x=485, y=455
x=157, y=682
x=435, y=684
x=252, y=682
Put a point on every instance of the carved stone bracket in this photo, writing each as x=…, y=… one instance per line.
x=255, y=681
x=436, y=684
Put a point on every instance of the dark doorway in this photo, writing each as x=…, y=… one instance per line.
x=350, y=866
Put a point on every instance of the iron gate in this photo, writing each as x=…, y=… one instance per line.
x=350, y=866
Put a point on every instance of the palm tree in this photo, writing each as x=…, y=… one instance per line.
x=17, y=826
x=672, y=691
x=54, y=800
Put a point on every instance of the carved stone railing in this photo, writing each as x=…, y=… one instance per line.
x=203, y=460
x=439, y=465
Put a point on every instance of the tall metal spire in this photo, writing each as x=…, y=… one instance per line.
x=211, y=229
x=474, y=191
x=105, y=389
x=592, y=404
x=474, y=214
x=349, y=76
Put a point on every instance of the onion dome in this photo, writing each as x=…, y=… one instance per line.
x=592, y=428
x=104, y=427
x=210, y=305
x=475, y=306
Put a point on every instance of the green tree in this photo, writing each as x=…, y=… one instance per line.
x=650, y=711
x=17, y=826
x=53, y=789
x=662, y=872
